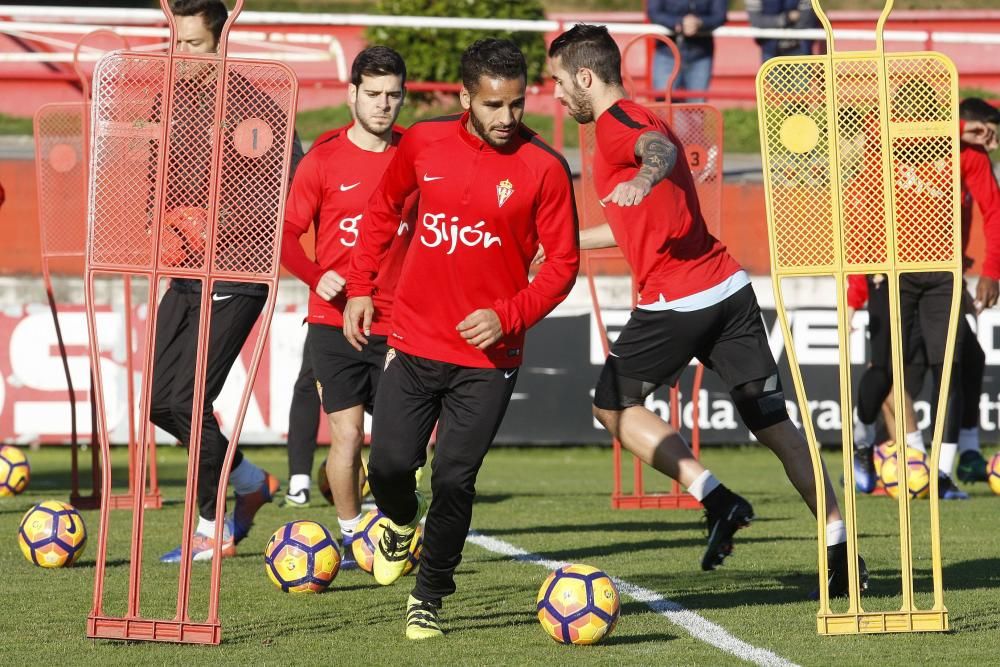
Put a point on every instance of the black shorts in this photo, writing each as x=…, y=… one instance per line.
x=925, y=313
x=655, y=347
x=344, y=377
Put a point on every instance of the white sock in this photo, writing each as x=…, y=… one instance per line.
x=968, y=440
x=864, y=434
x=915, y=440
x=347, y=527
x=704, y=485
x=947, y=460
x=298, y=483
x=835, y=533
x=206, y=528
x=246, y=477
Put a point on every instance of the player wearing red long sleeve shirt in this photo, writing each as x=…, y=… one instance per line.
x=490, y=192
x=330, y=192
x=978, y=133
x=694, y=300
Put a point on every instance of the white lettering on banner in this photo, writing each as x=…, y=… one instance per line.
x=36, y=365
x=350, y=228
x=468, y=235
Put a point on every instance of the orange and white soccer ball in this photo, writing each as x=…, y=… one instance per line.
x=578, y=604
x=52, y=534
x=993, y=473
x=917, y=470
x=302, y=557
x=15, y=473
x=367, y=535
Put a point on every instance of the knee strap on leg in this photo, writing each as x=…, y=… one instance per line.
x=761, y=403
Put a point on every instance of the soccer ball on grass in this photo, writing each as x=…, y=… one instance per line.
x=917, y=471
x=15, y=473
x=578, y=604
x=302, y=557
x=52, y=534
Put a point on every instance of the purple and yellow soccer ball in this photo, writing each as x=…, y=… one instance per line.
x=881, y=453
x=367, y=535
x=52, y=534
x=15, y=473
x=918, y=474
x=578, y=604
x=302, y=557
x=993, y=473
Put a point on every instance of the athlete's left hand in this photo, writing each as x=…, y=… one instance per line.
x=629, y=193
x=987, y=292
x=481, y=328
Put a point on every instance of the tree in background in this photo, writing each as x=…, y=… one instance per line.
x=433, y=54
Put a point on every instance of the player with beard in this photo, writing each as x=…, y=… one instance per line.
x=490, y=190
x=330, y=192
x=695, y=301
x=235, y=306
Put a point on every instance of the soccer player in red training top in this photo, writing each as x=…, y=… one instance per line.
x=924, y=338
x=235, y=306
x=330, y=191
x=490, y=192
x=694, y=300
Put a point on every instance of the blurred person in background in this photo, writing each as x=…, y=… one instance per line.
x=692, y=23
x=782, y=14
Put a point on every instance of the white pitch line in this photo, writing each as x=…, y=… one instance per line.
x=698, y=627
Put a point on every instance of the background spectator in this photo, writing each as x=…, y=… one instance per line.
x=776, y=14
x=692, y=22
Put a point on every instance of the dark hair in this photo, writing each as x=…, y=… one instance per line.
x=592, y=47
x=213, y=12
x=493, y=58
x=974, y=108
x=377, y=61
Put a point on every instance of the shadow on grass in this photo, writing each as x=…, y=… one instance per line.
x=615, y=527
x=618, y=640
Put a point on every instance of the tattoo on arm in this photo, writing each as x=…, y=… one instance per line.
x=658, y=155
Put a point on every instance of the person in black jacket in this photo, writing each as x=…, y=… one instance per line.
x=692, y=22
x=780, y=14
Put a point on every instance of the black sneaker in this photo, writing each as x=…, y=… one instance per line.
x=422, y=619
x=972, y=467
x=865, y=478
x=838, y=581
x=736, y=514
x=948, y=490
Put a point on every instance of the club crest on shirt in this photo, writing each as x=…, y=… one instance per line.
x=504, y=190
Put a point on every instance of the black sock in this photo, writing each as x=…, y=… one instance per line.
x=719, y=500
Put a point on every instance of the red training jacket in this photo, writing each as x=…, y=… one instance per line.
x=330, y=191
x=482, y=213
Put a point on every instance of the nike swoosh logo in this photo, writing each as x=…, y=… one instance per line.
x=509, y=374
x=345, y=188
x=432, y=178
x=71, y=528
x=221, y=297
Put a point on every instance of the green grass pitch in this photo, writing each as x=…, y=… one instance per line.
x=550, y=502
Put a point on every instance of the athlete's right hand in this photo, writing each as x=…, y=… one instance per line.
x=358, y=321
x=330, y=285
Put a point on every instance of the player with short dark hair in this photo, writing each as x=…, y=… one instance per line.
x=695, y=301
x=490, y=191
x=235, y=306
x=330, y=192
